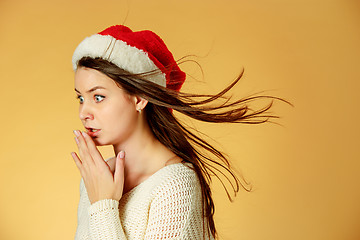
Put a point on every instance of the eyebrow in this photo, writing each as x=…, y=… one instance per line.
x=91, y=90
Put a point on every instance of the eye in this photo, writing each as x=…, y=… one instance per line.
x=99, y=98
x=81, y=99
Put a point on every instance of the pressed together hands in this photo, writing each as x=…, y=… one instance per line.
x=99, y=180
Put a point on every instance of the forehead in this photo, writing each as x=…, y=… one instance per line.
x=87, y=78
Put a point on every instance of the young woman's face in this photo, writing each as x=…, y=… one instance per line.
x=106, y=111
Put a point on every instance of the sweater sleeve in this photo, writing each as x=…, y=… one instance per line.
x=176, y=211
x=104, y=220
x=82, y=214
x=99, y=220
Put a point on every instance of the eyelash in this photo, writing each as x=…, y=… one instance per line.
x=81, y=98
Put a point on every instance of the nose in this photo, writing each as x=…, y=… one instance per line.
x=85, y=112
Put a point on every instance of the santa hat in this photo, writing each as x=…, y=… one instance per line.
x=135, y=52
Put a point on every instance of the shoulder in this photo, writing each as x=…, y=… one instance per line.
x=178, y=172
x=178, y=179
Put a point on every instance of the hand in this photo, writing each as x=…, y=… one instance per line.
x=99, y=181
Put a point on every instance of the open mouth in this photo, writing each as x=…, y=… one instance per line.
x=92, y=132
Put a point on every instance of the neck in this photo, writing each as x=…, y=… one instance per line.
x=144, y=155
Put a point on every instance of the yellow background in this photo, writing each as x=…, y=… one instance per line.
x=305, y=173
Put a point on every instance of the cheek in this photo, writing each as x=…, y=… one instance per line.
x=120, y=118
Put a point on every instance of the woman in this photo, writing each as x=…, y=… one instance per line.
x=157, y=186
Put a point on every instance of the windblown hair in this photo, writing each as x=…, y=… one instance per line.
x=207, y=161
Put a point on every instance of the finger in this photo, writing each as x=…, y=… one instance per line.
x=83, y=149
x=119, y=168
x=93, y=151
x=77, y=161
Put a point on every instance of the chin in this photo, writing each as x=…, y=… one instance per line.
x=101, y=142
x=98, y=142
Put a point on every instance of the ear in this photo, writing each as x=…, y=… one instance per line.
x=140, y=103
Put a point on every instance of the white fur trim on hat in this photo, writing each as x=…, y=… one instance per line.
x=126, y=57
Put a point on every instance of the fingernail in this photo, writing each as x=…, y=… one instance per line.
x=83, y=133
x=122, y=154
x=76, y=132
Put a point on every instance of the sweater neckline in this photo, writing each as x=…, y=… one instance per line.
x=158, y=172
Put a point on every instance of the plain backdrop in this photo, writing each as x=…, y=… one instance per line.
x=304, y=172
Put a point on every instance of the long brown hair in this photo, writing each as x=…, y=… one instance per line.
x=207, y=161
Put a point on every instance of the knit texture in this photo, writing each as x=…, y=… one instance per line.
x=167, y=205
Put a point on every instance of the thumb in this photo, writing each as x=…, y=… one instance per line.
x=119, y=168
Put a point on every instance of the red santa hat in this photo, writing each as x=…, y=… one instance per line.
x=135, y=52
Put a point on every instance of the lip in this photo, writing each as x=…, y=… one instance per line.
x=90, y=132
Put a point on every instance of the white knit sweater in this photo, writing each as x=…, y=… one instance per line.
x=165, y=206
